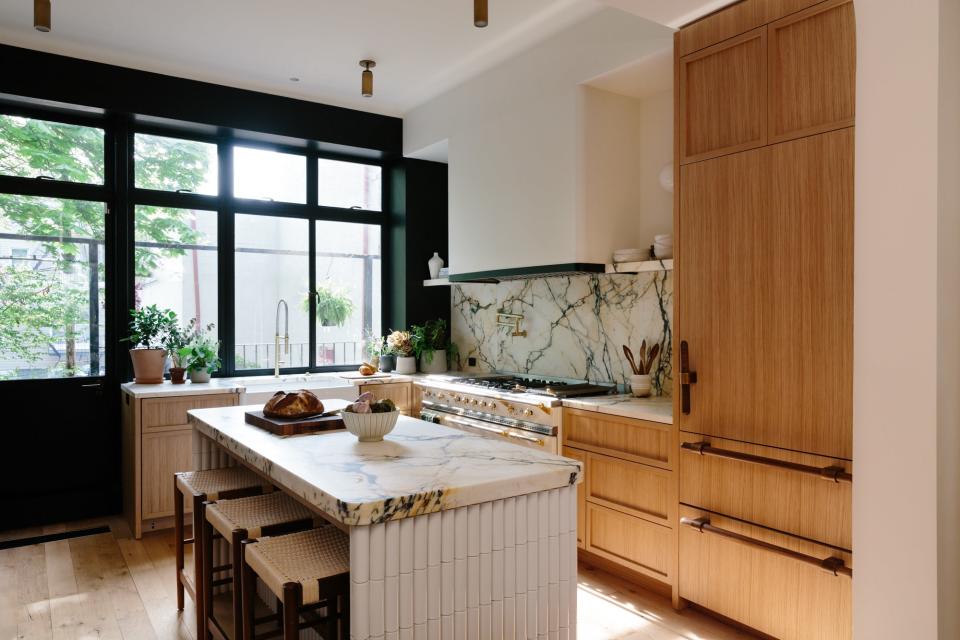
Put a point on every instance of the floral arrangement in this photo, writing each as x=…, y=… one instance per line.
x=400, y=344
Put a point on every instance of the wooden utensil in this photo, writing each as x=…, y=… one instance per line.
x=654, y=352
x=633, y=363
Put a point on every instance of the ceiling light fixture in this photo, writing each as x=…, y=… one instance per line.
x=41, y=15
x=480, y=13
x=366, y=79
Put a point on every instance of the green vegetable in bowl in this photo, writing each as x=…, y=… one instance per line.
x=364, y=405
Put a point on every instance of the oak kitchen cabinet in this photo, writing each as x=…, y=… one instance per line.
x=400, y=392
x=156, y=442
x=763, y=218
x=627, y=501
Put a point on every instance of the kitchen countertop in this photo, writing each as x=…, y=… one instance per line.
x=238, y=385
x=419, y=468
x=655, y=409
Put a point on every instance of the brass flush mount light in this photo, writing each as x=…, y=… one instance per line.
x=41, y=15
x=366, y=80
x=480, y=13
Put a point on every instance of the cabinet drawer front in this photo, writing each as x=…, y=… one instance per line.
x=782, y=499
x=723, y=98
x=761, y=588
x=632, y=542
x=166, y=413
x=634, y=488
x=636, y=440
x=163, y=454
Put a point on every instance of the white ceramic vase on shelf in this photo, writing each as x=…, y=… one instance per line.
x=406, y=365
x=435, y=264
x=640, y=386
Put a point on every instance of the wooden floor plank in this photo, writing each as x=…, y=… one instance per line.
x=33, y=605
x=160, y=602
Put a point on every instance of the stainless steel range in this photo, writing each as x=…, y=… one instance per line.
x=524, y=410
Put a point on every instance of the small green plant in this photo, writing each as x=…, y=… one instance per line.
x=176, y=341
x=429, y=337
x=375, y=346
x=150, y=327
x=334, y=305
x=202, y=351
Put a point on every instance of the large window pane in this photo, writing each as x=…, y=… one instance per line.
x=349, y=185
x=272, y=263
x=51, y=287
x=269, y=175
x=32, y=148
x=176, y=261
x=172, y=164
x=348, y=290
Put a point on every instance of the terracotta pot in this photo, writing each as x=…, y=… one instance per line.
x=148, y=365
x=200, y=376
x=178, y=375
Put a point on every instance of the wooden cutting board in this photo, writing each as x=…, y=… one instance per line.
x=297, y=426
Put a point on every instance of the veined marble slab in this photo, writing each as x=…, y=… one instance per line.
x=658, y=409
x=576, y=325
x=419, y=468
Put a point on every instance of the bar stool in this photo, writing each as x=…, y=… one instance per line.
x=204, y=486
x=306, y=571
x=237, y=520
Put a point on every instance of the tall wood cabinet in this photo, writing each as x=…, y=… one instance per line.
x=764, y=313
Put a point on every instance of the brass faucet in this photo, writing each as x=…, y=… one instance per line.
x=277, y=361
x=513, y=321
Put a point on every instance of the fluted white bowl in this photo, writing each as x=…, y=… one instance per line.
x=370, y=427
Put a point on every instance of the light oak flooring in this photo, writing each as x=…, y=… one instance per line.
x=112, y=586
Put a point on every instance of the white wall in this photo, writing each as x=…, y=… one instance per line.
x=905, y=407
x=513, y=136
x=656, y=131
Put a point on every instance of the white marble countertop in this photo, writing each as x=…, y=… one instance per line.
x=657, y=409
x=240, y=384
x=419, y=468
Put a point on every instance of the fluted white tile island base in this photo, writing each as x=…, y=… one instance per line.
x=455, y=566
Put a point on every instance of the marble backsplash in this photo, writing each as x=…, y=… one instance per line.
x=576, y=325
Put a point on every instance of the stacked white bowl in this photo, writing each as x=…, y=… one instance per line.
x=631, y=255
x=663, y=246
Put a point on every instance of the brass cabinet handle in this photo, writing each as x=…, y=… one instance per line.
x=832, y=565
x=687, y=378
x=834, y=473
x=511, y=434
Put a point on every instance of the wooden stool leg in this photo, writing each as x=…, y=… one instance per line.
x=291, y=611
x=207, y=572
x=199, y=590
x=249, y=590
x=236, y=554
x=178, y=539
x=345, y=607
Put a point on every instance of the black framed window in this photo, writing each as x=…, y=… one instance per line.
x=53, y=212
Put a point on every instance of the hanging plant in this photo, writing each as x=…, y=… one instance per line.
x=334, y=305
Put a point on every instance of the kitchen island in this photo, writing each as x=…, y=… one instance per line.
x=451, y=534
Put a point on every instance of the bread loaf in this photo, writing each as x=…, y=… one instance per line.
x=298, y=404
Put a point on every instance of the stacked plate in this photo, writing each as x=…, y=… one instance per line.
x=631, y=255
x=663, y=246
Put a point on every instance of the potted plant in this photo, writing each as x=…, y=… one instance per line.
x=399, y=345
x=149, y=328
x=202, y=354
x=176, y=341
x=375, y=347
x=430, y=344
x=334, y=305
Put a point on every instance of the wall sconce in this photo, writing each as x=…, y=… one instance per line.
x=41, y=15
x=366, y=79
x=480, y=13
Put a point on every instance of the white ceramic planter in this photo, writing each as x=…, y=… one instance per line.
x=640, y=386
x=406, y=364
x=433, y=362
x=200, y=376
x=370, y=427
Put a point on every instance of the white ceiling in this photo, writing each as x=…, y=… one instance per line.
x=646, y=77
x=422, y=47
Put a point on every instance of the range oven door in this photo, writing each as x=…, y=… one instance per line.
x=492, y=430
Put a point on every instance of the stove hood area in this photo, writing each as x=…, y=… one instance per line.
x=543, y=160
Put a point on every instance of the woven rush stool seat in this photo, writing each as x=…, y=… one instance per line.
x=236, y=520
x=301, y=569
x=200, y=487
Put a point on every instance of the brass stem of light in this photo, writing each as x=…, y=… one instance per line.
x=366, y=79
x=480, y=13
x=41, y=15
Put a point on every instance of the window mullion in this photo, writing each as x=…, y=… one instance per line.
x=225, y=262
